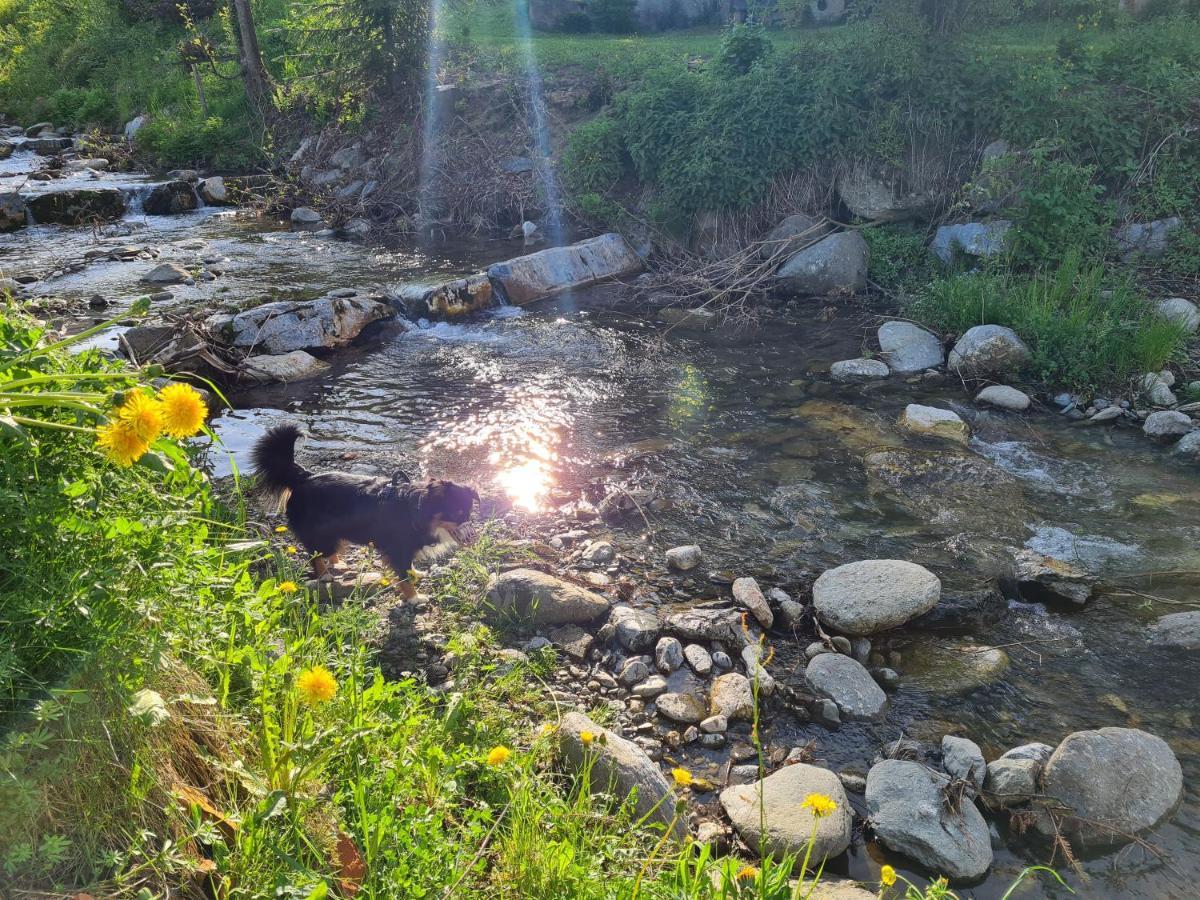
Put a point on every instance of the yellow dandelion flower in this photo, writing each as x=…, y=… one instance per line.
x=281, y=529
x=820, y=805
x=291, y=549
x=547, y=729
x=498, y=756
x=120, y=443
x=183, y=410
x=586, y=737
x=887, y=876
x=682, y=777
x=747, y=872
x=288, y=587
x=143, y=415
x=385, y=581
x=316, y=685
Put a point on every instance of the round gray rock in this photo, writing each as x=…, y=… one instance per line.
x=1182, y=312
x=835, y=263
x=907, y=809
x=848, y=684
x=637, y=629
x=909, y=348
x=684, y=558
x=778, y=799
x=732, y=696
x=873, y=595
x=1110, y=783
x=1181, y=630
x=1167, y=425
x=989, y=350
x=1189, y=446
x=1004, y=397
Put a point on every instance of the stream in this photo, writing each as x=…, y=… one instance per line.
x=749, y=451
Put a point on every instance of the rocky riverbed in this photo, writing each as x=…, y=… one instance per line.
x=971, y=610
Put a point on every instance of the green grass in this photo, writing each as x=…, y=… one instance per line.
x=1085, y=330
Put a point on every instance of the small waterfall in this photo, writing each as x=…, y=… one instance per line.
x=135, y=197
x=429, y=206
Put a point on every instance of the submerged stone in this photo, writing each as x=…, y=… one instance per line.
x=528, y=278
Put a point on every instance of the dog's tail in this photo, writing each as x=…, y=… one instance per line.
x=275, y=461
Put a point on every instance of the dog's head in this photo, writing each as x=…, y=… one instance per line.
x=445, y=505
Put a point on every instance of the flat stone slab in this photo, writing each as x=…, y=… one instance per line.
x=538, y=275
x=542, y=599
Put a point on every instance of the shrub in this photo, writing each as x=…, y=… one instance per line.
x=742, y=46
x=900, y=257
x=595, y=158
x=1061, y=212
x=1084, y=332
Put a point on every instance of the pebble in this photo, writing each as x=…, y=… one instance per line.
x=599, y=553
x=791, y=613
x=535, y=644
x=691, y=735
x=748, y=595
x=815, y=649
x=740, y=752
x=855, y=784
x=743, y=774
x=888, y=679
x=685, y=708
x=860, y=649
x=715, y=725
x=841, y=644
x=721, y=660
x=712, y=741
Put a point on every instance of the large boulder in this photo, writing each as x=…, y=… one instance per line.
x=867, y=597
x=931, y=421
x=909, y=348
x=1167, y=425
x=910, y=812
x=1180, y=630
x=1146, y=238
x=214, y=191
x=1181, y=311
x=294, y=366
x=169, y=199
x=835, y=263
x=12, y=212
x=792, y=233
x=770, y=815
x=1104, y=787
x=77, y=207
x=989, y=350
x=620, y=768
x=975, y=239
x=304, y=218
x=287, y=325
x=880, y=196
x=536, y=598
x=844, y=681
x=551, y=271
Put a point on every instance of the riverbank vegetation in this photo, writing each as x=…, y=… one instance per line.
x=182, y=716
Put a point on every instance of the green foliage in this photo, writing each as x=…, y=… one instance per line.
x=900, y=258
x=1061, y=212
x=594, y=160
x=214, y=141
x=1083, y=331
x=742, y=46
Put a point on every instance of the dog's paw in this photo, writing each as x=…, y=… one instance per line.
x=466, y=534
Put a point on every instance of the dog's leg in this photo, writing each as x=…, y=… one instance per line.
x=407, y=589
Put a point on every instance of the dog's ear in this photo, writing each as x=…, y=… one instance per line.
x=431, y=498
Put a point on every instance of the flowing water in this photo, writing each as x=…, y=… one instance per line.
x=747, y=449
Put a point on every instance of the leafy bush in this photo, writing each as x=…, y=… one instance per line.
x=1061, y=212
x=170, y=141
x=900, y=257
x=1083, y=332
x=594, y=159
x=82, y=107
x=742, y=46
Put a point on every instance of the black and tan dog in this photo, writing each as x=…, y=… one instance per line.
x=329, y=509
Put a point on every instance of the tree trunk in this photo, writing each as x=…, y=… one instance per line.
x=254, y=73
